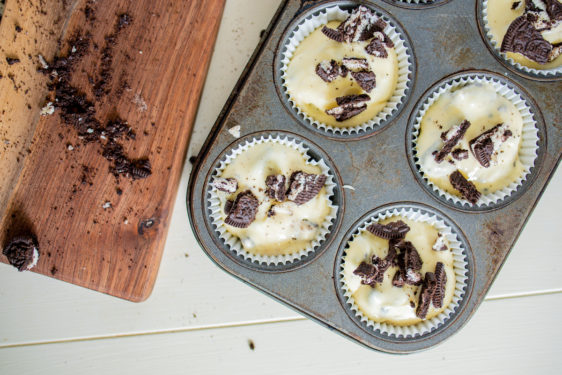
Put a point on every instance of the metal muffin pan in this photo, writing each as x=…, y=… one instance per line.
x=378, y=167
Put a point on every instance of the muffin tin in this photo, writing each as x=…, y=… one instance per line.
x=376, y=170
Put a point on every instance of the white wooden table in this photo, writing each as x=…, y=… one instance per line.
x=199, y=320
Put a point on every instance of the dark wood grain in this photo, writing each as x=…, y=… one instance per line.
x=162, y=58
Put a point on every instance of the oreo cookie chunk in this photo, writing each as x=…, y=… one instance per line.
x=22, y=252
x=276, y=187
x=349, y=106
x=365, y=79
x=355, y=63
x=359, y=26
x=409, y=264
x=484, y=146
x=426, y=295
x=450, y=139
x=441, y=281
x=465, y=187
x=522, y=37
x=304, y=186
x=330, y=70
x=333, y=34
x=393, y=230
x=459, y=154
x=440, y=244
x=371, y=274
x=228, y=185
x=243, y=210
x=376, y=48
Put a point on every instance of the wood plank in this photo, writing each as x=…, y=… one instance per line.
x=96, y=230
x=496, y=341
x=194, y=285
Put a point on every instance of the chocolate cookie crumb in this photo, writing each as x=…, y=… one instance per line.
x=465, y=187
x=355, y=63
x=22, y=252
x=333, y=34
x=330, y=70
x=376, y=48
x=441, y=281
x=12, y=60
x=426, y=295
x=459, y=154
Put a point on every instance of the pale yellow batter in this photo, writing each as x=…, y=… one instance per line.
x=314, y=96
x=293, y=227
x=500, y=16
x=386, y=303
x=484, y=108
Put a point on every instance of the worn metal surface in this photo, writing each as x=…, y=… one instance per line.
x=445, y=40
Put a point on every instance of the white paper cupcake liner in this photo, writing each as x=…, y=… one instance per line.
x=234, y=242
x=460, y=266
x=527, y=149
x=403, y=54
x=545, y=73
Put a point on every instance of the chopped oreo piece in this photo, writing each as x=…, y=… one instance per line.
x=228, y=185
x=410, y=263
x=450, y=139
x=366, y=79
x=398, y=279
x=376, y=48
x=393, y=230
x=348, y=106
x=330, y=70
x=465, y=187
x=515, y=5
x=484, y=145
x=228, y=206
x=459, y=154
x=371, y=274
x=333, y=34
x=440, y=244
x=441, y=281
x=554, y=9
x=380, y=35
x=359, y=26
x=243, y=210
x=276, y=187
x=22, y=252
x=426, y=295
x=304, y=186
x=522, y=37
x=355, y=63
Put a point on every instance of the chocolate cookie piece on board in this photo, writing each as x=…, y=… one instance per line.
x=393, y=230
x=465, y=187
x=243, y=210
x=522, y=37
x=276, y=187
x=304, y=186
x=22, y=252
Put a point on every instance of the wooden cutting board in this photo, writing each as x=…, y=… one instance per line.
x=95, y=229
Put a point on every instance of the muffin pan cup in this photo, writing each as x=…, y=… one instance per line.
x=374, y=172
